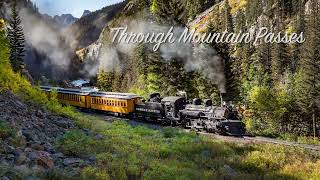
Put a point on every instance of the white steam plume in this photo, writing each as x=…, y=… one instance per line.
x=45, y=40
x=195, y=57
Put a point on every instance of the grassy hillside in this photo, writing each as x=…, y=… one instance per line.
x=9, y=80
x=140, y=153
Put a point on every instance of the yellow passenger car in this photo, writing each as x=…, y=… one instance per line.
x=121, y=103
x=72, y=97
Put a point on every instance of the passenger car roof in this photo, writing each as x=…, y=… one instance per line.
x=91, y=92
x=115, y=95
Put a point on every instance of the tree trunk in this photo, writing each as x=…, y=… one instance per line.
x=314, y=123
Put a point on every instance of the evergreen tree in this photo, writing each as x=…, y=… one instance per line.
x=299, y=27
x=172, y=11
x=228, y=17
x=243, y=54
x=105, y=80
x=253, y=10
x=309, y=87
x=280, y=59
x=16, y=39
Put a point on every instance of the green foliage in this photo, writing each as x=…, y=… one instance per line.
x=94, y=173
x=10, y=173
x=170, y=132
x=9, y=80
x=76, y=143
x=178, y=11
x=154, y=6
x=270, y=107
x=105, y=80
x=6, y=131
x=300, y=139
x=2, y=23
x=138, y=152
x=287, y=74
x=16, y=39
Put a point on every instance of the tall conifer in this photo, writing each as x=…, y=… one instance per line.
x=309, y=90
x=16, y=39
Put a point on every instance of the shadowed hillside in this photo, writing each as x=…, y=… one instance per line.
x=88, y=28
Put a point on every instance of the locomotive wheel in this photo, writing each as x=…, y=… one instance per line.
x=165, y=123
x=174, y=123
x=222, y=132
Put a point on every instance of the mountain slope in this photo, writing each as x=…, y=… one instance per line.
x=48, y=54
x=88, y=28
x=85, y=13
x=64, y=20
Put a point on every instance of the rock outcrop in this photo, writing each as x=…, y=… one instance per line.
x=27, y=145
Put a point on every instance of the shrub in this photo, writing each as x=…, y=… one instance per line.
x=269, y=108
x=6, y=131
x=94, y=173
x=10, y=173
x=170, y=132
x=77, y=143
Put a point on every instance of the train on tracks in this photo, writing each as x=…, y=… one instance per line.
x=174, y=110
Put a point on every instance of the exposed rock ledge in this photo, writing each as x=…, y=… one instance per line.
x=33, y=147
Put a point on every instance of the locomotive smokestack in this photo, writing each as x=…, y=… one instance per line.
x=222, y=97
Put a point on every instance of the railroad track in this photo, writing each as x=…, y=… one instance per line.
x=263, y=140
x=232, y=139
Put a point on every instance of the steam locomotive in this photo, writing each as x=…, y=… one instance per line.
x=173, y=110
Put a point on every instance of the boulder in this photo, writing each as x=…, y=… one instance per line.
x=21, y=159
x=5, y=178
x=37, y=146
x=99, y=137
x=72, y=162
x=42, y=158
x=228, y=171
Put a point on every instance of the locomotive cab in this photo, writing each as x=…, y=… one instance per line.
x=172, y=106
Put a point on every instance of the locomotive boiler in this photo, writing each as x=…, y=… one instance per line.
x=222, y=120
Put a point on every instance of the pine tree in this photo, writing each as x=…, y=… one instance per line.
x=172, y=11
x=309, y=89
x=228, y=17
x=16, y=39
x=243, y=54
x=299, y=27
x=104, y=80
x=280, y=59
x=253, y=10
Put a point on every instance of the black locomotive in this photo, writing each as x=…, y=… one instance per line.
x=198, y=115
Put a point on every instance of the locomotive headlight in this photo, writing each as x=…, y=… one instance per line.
x=227, y=127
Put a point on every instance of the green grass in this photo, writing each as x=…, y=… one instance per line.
x=299, y=139
x=140, y=152
x=5, y=130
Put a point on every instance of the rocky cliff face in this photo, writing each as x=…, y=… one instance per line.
x=65, y=20
x=85, y=13
x=27, y=139
x=89, y=27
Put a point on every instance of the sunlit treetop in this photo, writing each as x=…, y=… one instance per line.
x=2, y=23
